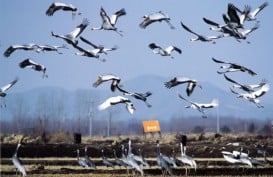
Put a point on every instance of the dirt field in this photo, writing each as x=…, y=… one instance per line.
x=59, y=159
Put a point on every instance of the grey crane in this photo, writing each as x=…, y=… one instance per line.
x=81, y=161
x=17, y=162
x=3, y=91
x=105, y=160
x=109, y=22
x=28, y=63
x=191, y=83
x=88, y=161
x=155, y=17
x=71, y=38
x=132, y=160
x=118, y=161
x=162, y=163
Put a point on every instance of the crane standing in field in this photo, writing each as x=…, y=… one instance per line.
x=17, y=162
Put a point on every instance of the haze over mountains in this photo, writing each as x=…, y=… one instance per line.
x=165, y=102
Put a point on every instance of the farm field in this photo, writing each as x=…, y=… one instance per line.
x=59, y=159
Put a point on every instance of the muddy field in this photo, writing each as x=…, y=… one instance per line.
x=59, y=159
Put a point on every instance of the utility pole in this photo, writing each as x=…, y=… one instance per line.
x=91, y=115
x=109, y=124
x=218, y=120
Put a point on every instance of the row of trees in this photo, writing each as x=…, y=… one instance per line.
x=50, y=115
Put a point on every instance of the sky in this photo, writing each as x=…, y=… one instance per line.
x=25, y=22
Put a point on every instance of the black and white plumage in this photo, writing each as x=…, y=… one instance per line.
x=191, y=83
x=200, y=106
x=155, y=17
x=251, y=15
x=253, y=96
x=108, y=77
x=117, y=100
x=71, y=37
x=244, y=87
x=201, y=37
x=15, y=47
x=56, y=6
x=4, y=89
x=17, y=162
x=43, y=48
x=139, y=96
x=96, y=49
x=28, y=63
x=88, y=53
x=90, y=164
x=237, y=157
x=109, y=22
x=234, y=20
x=232, y=67
x=164, y=52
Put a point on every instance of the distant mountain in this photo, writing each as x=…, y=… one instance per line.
x=165, y=102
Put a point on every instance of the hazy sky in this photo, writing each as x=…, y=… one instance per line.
x=25, y=22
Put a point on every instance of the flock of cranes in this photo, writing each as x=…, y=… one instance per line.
x=234, y=26
x=137, y=164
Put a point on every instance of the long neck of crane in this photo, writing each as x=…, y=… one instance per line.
x=158, y=149
x=18, y=146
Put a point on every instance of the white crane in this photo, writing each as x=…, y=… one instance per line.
x=232, y=67
x=97, y=49
x=117, y=100
x=237, y=157
x=71, y=37
x=4, y=89
x=28, y=63
x=15, y=47
x=191, y=83
x=185, y=159
x=200, y=106
x=139, y=96
x=56, y=6
x=251, y=15
x=108, y=77
x=90, y=164
x=253, y=96
x=234, y=20
x=88, y=53
x=109, y=22
x=155, y=17
x=42, y=48
x=164, y=52
x=17, y=162
x=244, y=87
x=201, y=37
